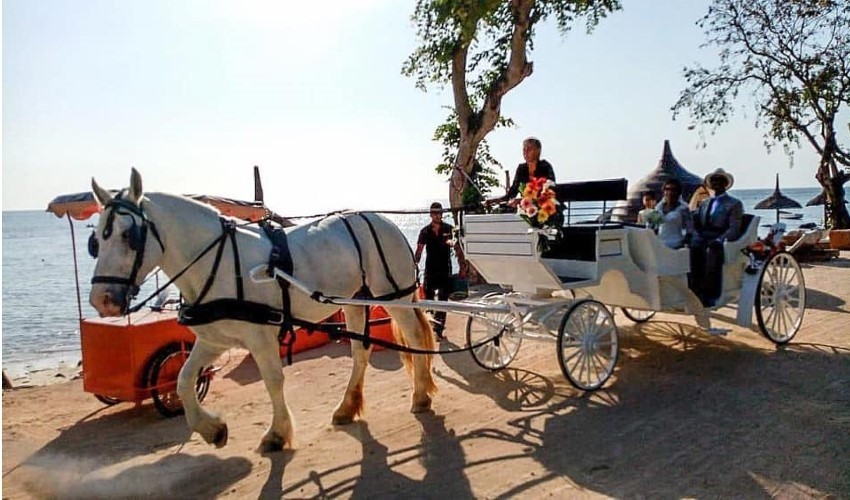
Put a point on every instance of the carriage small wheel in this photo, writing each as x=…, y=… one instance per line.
x=588, y=345
x=161, y=377
x=780, y=298
x=107, y=400
x=638, y=315
x=506, y=331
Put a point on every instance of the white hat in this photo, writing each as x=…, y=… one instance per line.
x=719, y=171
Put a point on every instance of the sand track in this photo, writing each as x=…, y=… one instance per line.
x=686, y=415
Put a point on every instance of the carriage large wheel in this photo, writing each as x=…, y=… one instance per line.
x=504, y=328
x=638, y=315
x=161, y=377
x=588, y=345
x=781, y=298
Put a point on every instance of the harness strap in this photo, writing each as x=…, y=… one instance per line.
x=329, y=299
x=281, y=258
x=359, y=251
x=218, y=254
x=229, y=227
x=229, y=308
x=380, y=251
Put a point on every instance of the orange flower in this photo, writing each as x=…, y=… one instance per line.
x=548, y=207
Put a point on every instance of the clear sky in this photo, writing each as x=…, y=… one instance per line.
x=193, y=93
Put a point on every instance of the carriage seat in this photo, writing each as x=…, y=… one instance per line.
x=734, y=261
x=749, y=234
x=575, y=243
x=651, y=255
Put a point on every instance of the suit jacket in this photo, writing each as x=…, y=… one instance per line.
x=723, y=224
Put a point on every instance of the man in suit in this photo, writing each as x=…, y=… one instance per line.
x=717, y=220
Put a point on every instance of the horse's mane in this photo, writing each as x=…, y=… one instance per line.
x=175, y=201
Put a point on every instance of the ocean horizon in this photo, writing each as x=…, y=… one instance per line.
x=40, y=326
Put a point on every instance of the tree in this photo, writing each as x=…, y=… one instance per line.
x=481, y=48
x=793, y=58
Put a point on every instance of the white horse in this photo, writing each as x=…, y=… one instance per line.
x=138, y=232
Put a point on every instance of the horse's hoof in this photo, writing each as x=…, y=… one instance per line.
x=270, y=444
x=220, y=438
x=421, y=406
x=342, y=419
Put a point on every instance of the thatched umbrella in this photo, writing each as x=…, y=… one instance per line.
x=777, y=201
x=821, y=200
x=818, y=200
x=668, y=168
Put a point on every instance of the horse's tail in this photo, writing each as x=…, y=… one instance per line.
x=426, y=337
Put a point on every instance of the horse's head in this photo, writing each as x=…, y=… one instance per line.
x=125, y=254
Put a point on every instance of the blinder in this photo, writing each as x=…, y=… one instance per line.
x=93, y=245
x=136, y=237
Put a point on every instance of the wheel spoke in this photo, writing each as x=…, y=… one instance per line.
x=569, y=357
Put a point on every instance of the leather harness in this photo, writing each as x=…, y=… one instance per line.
x=239, y=309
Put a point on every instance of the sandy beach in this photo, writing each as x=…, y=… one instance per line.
x=686, y=414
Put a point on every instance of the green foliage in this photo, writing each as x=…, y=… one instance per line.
x=791, y=57
x=484, y=175
x=480, y=47
x=486, y=28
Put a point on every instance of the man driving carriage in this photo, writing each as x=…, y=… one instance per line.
x=717, y=220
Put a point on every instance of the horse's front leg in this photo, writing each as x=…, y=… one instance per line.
x=352, y=402
x=265, y=348
x=210, y=426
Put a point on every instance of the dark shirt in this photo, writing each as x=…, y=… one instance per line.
x=544, y=169
x=438, y=261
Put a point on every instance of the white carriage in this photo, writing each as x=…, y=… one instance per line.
x=563, y=289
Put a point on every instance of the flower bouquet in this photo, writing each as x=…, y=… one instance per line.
x=539, y=206
x=652, y=219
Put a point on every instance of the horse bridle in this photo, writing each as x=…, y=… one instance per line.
x=136, y=239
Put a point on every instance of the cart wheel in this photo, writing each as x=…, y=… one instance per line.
x=501, y=351
x=638, y=315
x=588, y=345
x=161, y=376
x=107, y=400
x=781, y=298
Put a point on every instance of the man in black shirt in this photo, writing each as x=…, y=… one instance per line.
x=436, y=239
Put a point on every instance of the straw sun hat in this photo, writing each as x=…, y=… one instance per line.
x=719, y=171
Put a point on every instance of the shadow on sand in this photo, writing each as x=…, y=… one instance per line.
x=688, y=415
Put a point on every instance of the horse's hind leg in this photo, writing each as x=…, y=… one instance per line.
x=211, y=427
x=352, y=402
x=265, y=349
x=417, y=333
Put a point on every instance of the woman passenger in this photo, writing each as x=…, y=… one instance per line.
x=676, y=219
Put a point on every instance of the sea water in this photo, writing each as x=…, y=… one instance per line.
x=40, y=310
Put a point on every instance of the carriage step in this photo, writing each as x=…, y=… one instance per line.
x=571, y=280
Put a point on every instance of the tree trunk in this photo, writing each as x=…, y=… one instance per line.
x=832, y=180
x=836, y=209
x=463, y=165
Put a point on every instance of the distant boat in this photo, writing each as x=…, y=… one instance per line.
x=790, y=215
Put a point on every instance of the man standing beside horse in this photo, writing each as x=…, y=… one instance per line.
x=437, y=240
